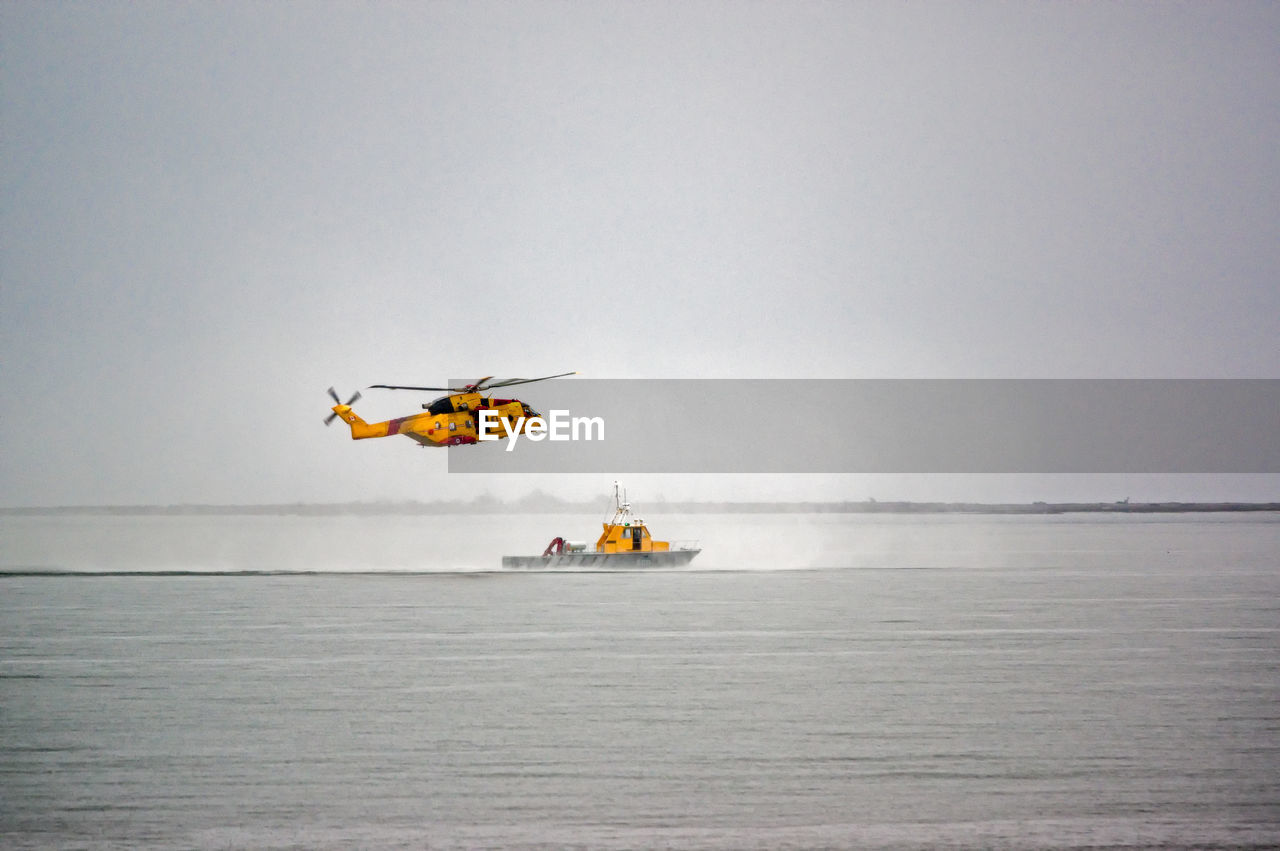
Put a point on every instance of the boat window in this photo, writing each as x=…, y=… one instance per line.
x=453, y=426
x=626, y=532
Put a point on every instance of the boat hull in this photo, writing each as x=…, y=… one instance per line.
x=600, y=561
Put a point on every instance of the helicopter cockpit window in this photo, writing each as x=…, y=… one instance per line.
x=443, y=405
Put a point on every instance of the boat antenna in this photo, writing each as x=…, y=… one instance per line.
x=617, y=504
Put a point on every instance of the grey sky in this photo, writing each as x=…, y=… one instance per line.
x=211, y=212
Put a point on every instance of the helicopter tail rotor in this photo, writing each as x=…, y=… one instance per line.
x=333, y=394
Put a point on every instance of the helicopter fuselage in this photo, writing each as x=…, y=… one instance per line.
x=451, y=420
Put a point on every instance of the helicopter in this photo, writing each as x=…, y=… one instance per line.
x=451, y=420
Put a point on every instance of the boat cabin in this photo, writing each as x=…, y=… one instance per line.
x=626, y=533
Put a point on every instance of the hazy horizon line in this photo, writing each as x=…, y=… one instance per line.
x=486, y=504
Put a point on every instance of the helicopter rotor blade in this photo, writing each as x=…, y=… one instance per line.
x=483, y=384
x=406, y=387
x=507, y=382
x=333, y=394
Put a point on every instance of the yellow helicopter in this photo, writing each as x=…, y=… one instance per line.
x=452, y=420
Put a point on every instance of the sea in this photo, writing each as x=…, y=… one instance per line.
x=810, y=681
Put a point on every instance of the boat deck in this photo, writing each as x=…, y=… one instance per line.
x=600, y=561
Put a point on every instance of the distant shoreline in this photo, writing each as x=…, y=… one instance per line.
x=553, y=506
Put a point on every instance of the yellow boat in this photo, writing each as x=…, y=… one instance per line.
x=625, y=543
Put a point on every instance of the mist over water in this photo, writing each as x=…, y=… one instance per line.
x=820, y=681
x=426, y=543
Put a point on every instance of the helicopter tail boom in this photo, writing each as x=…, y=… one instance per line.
x=359, y=428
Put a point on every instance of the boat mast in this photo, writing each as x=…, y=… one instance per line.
x=621, y=508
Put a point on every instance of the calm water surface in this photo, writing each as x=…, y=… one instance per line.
x=818, y=682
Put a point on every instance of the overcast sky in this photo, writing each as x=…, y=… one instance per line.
x=214, y=211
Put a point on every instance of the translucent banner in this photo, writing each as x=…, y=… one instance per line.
x=622, y=426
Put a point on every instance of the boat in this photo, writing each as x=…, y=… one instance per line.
x=625, y=544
